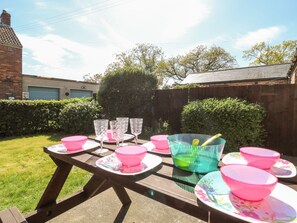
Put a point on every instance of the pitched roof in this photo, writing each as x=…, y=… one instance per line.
x=266, y=72
x=8, y=37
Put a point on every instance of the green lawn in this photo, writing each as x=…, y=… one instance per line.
x=25, y=170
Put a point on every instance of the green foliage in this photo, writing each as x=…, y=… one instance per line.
x=238, y=121
x=200, y=59
x=96, y=78
x=265, y=54
x=22, y=117
x=127, y=92
x=26, y=117
x=161, y=127
x=143, y=56
x=78, y=117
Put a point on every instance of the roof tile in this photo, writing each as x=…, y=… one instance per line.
x=8, y=37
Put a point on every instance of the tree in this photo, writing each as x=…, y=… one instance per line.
x=127, y=92
x=144, y=56
x=96, y=78
x=263, y=54
x=197, y=60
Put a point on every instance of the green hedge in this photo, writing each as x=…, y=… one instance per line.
x=21, y=117
x=79, y=117
x=238, y=121
x=127, y=92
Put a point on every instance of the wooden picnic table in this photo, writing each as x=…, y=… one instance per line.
x=165, y=183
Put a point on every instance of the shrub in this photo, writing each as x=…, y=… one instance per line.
x=238, y=121
x=26, y=117
x=127, y=92
x=22, y=117
x=78, y=117
x=160, y=127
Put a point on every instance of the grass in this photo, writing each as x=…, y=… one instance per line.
x=25, y=171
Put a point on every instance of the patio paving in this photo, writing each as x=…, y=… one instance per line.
x=106, y=208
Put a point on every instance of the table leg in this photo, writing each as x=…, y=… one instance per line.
x=56, y=183
x=122, y=194
x=48, y=208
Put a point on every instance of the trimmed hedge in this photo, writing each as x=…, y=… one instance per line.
x=238, y=121
x=79, y=117
x=127, y=92
x=22, y=117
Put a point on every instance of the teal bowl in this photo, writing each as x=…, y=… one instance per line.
x=197, y=159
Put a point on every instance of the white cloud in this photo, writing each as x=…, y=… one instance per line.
x=260, y=35
x=40, y=4
x=46, y=27
x=60, y=57
x=153, y=21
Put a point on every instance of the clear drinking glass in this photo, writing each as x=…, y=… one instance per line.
x=136, y=127
x=124, y=126
x=116, y=130
x=101, y=126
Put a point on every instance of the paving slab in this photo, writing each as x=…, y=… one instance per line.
x=106, y=207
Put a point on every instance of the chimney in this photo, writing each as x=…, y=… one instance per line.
x=5, y=18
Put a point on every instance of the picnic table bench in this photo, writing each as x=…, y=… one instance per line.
x=165, y=183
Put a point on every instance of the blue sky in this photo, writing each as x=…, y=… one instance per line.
x=71, y=38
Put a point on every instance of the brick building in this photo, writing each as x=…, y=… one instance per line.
x=16, y=85
x=10, y=60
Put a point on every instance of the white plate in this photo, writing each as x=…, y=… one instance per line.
x=151, y=147
x=282, y=168
x=279, y=206
x=61, y=149
x=126, y=138
x=112, y=164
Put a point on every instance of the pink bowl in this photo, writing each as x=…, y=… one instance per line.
x=259, y=157
x=248, y=182
x=131, y=155
x=160, y=142
x=74, y=142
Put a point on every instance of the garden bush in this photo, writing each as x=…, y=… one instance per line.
x=127, y=92
x=78, y=117
x=238, y=121
x=21, y=117
x=26, y=117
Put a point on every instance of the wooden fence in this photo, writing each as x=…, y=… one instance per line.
x=280, y=102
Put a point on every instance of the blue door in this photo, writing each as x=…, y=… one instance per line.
x=80, y=93
x=38, y=93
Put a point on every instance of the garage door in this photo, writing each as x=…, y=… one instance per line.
x=80, y=93
x=36, y=93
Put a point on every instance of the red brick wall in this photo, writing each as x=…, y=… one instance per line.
x=10, y=72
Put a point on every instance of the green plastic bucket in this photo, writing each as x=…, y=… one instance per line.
x=197, y=159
